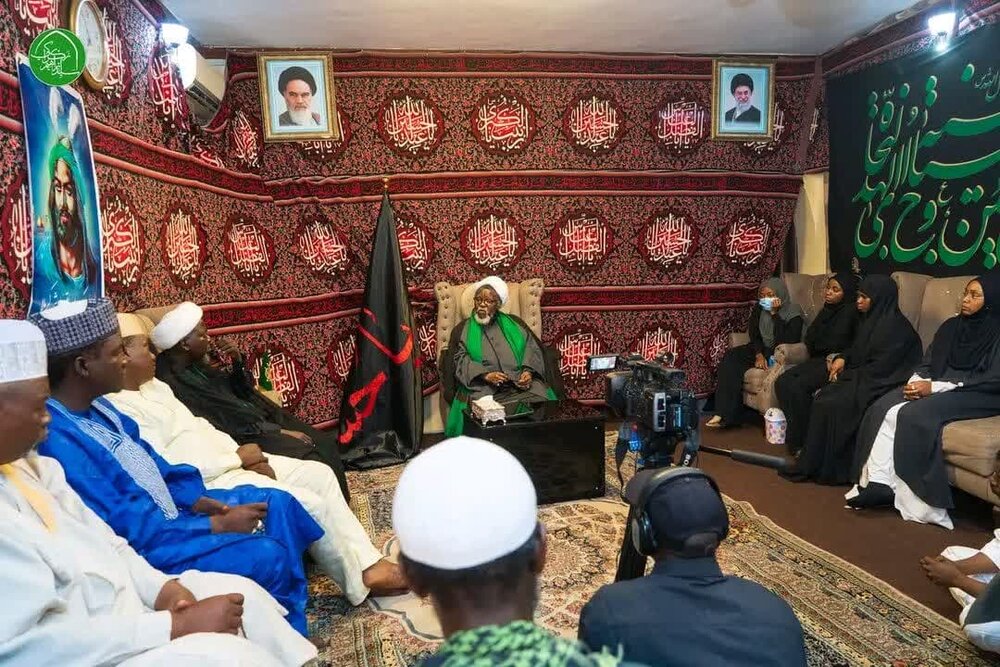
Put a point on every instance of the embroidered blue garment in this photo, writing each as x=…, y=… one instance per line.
x=148, y=502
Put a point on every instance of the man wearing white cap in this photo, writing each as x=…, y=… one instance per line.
x=229, y=400
x=163, y=510
x=345, y=552
x=494, y=353
x=465, y=515
x=75, y=593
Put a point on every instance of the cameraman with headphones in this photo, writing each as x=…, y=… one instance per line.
x=686, y=612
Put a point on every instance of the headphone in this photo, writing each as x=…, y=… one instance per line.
x=643, y=538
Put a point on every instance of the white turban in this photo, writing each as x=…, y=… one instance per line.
x=176, y=325
x=498, y=285
x=131, y=324
x=462, y=503
x=23, y=354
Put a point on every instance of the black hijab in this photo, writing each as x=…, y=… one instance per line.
x=883, y=322
x=966, y=343
x=833, y=328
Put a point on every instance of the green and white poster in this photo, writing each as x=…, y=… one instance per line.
x=915, y=161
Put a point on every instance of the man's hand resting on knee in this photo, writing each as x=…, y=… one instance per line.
x=221, y=613
x=240, y=519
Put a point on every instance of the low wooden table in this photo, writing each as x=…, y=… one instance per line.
x=559, y=443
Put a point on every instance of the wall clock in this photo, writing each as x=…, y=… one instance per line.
x=87, y=20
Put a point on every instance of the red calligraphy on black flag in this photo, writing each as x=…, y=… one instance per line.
x=381, y=416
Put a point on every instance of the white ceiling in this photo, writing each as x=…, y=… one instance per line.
x=614, y=26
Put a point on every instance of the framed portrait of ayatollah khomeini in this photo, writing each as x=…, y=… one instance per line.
x=742, y=100
x=297, y=96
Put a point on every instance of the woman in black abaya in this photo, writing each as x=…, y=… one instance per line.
x=884, y=350
x=775, y=320
x=899, y=459
x=832, y=331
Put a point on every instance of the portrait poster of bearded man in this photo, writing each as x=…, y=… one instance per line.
x=65, y=210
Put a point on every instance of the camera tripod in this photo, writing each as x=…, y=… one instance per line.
x=632, y=564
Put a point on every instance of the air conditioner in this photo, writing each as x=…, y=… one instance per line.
x=206, y=91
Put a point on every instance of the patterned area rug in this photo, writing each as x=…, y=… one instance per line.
x=849, y=617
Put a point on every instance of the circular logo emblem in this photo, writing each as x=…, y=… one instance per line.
x=57, y=57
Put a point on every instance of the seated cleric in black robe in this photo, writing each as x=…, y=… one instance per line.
x=496, y=354
x=229, y=401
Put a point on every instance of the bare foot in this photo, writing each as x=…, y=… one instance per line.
x=940, y=570
x=385, y=578
x=714, y=422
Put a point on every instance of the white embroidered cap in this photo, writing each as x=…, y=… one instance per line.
x=498, y=285
x=22, y=351
x=176, y=325
x=462, y=503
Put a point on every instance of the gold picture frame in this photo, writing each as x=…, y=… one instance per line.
x=738, y=112
x=313, y=119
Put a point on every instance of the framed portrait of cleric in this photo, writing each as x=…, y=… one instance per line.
x=297, y=97
x=742, y=100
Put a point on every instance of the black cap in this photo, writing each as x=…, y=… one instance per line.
x=296, y=73
x=687, y=504
x=741, y=79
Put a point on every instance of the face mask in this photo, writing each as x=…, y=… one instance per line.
x=765, y=303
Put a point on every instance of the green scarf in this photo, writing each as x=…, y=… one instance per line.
x=516, y=644
x=516, y=339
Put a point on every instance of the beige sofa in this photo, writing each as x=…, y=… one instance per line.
x=970, y=446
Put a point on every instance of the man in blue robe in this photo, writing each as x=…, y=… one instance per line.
x=163, y=510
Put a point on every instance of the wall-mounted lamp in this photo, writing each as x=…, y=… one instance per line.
x=174, y=34
x=942, y=26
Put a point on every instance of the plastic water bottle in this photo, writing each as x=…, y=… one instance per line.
x=771, y=361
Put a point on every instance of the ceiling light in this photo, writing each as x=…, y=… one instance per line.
x=941, y=26
x=186, y=59
x=174, y=34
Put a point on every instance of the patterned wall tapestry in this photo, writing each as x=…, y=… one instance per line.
x=594, y=173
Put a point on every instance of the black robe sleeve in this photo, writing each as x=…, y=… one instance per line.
x=787, y=332
x=756, y=342
x=832, y=333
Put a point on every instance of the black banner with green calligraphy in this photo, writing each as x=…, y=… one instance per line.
x=915, y=161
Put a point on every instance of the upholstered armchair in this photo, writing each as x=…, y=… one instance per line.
x=455, y=305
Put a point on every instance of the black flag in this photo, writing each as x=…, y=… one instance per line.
x=381, y=415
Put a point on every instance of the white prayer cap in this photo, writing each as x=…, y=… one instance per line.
x=131, y=325
x=498, y=285
x=462, y=503
x=22, y=351
x=176, y=325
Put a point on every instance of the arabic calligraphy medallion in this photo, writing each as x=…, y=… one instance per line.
x=503, y=124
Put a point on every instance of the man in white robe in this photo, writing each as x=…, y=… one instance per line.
x=345, y=552
x=77, y=594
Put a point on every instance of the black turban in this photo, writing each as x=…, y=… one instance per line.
x=296, y=74
x=740, y=79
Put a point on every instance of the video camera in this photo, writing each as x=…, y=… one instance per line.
x=656, y=408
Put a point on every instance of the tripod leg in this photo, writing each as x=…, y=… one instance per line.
x=631, y=563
